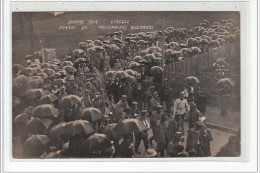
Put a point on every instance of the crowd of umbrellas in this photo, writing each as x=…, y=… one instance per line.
x=72, y=107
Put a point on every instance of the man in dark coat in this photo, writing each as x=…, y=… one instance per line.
x=166, y=94
x=161, y=136
x=201, y=103
x=194, y=115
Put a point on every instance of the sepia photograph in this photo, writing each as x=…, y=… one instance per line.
x=126, y=84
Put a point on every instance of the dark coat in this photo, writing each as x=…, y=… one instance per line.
x=161, y=133
x=201, y=103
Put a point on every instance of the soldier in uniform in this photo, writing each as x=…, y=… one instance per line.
x=135, y=109
x=121, y=107
x=154, y=102
x=180, y=109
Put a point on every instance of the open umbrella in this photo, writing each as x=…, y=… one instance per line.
x=156, y=70
x=144, y=52
x=225, y=82
x=20, y=79
x=80, y=127
x=131, y=72
x=42, y=75
x=54, y=67
x=78, y=52
x=137, y=58
x=28, y=110
x=120, y=74
x=18, y=90
x=45, y=111
x=48, y=71
x=173, y=45
x=38, y=126
x=35, y=146
x=192, y=80
x=60, y=130
x=95, y=142
x=63, y=72
x=109, y=131
x=16, y=68
x=67, y=63
x=91, y=114
x=48, y=99
x=80, y=60
x=22, y=118
x=70, y=100
x=133, y=64
x=35, y=77
x=149, y=57
x=59, y=81
x=98, y=42
x=35, y=93
x=33, y=65
x=55, y=75
x=110, y=74
x=27, y=71
x=140, y=42
x=70, y=69
x=131, y=79
x=89, y=41
x=168, y=52
x=46, y=65
x=128, y=126
x=34, y=83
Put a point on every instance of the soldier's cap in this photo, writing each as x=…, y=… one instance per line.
x=87, y=90
x=106, y=117
x=144, y=111
x=110, y=113
x=135, y=115
x=165, y=80
x=97, y=93
x=124, y=96
x=159, y=107
x=134, y=103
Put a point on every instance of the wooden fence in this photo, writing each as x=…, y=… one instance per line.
x=198, y=63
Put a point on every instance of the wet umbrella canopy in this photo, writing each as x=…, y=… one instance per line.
x=156, y=70
x=48, y=99
x=91, y=114
x=95, y=142
x=35, y=93
x=128, y=126
x=69, y=101
x=35, y=146
x=225, y=82
x=45, y=111
x=192, y=80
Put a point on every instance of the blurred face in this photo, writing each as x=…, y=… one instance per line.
x=181, y=96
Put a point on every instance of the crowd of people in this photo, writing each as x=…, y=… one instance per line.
x=103, y=98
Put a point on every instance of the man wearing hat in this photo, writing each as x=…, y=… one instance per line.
x=161, y=136
x=98, y=103
x=155, y=116
x=194, y=115
x=142, y=135
x=135, y=109
x=166, y=94
x=121, y=107
x=154, y=102
x=180, y=109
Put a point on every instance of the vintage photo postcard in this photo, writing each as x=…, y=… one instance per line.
x=128, y=84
